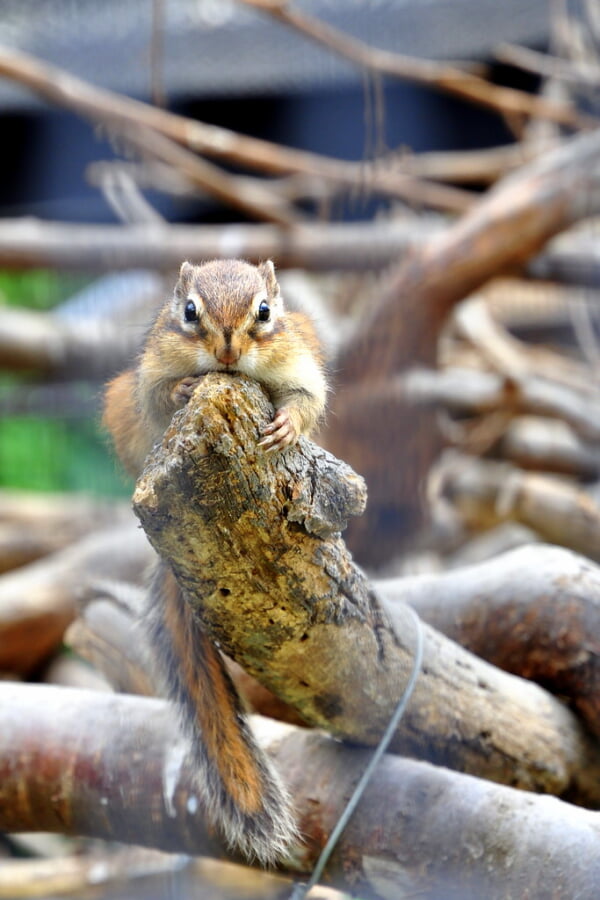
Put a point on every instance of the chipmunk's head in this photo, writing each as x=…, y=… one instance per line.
x=229, y=310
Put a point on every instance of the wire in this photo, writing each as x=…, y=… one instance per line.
x=300, y=890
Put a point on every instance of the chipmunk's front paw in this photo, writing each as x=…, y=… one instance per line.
x=184, y=389
x=281, y=432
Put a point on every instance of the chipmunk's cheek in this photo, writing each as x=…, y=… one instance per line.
x=248, y=364
x=205, y=362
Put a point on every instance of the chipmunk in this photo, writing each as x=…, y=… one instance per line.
x=224, y=316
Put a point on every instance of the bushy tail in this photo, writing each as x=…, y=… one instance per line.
x=244, y=795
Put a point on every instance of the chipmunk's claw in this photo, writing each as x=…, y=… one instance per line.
x=184, y=389
x=280, y=433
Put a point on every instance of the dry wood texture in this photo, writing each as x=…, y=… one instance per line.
x=254, y=540
x=131, y=781
x=534, y=611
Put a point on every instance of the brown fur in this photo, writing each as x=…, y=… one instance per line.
x=283, y=353
x=209, y=688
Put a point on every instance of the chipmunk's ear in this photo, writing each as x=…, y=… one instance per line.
x=185, y=279
x=267, y=270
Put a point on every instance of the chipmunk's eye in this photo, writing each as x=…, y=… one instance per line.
x=264, y=312
x=190, y=312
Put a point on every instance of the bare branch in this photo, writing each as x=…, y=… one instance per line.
x=574, y=72
x=443, y=77
x=250, y=196
x=534, y=611
x=38, y=601
x=506, y=227
x=130, y=781
x=58, y=86
x=29, y=242
x=487, y=493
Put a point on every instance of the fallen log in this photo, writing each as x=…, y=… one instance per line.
x=130, y=780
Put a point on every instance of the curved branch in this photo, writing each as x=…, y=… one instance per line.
x=441, y=76
x=254, y=541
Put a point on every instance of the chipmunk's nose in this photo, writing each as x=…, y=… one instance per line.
x=228, y=352
x=227, y=355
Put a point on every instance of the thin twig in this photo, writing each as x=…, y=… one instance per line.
x=549, y=66
x=250, y=196
x=157, y=53
x=450, y=79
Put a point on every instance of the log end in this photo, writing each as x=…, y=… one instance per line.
x=220, y=427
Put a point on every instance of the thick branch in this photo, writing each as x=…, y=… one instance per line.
x=28, y=242
x=504, y=229
x=254, y=540
x=39, y=600
x=131, y=781
x=534, y=611
x=47, y=343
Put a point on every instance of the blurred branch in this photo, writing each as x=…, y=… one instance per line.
x=33, y=525
x=579, y=72
x=31, y=243
x=469, y=391
x=58, y=86
x=482, y=166
x=486, y=493
x=45, y=342
x=250, y=196
x=505, y=228
x=39, y=600
x=443, y=77
x=81, y=875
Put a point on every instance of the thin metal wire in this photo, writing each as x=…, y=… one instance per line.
x=300, y=890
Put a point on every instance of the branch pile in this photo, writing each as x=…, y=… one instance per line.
x=441, y=322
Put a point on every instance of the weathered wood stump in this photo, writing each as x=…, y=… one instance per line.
x=254, y=540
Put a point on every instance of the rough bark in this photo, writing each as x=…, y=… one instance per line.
x=254, y=541
x=131, y=781
x=106, y=634
x=534, y=611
